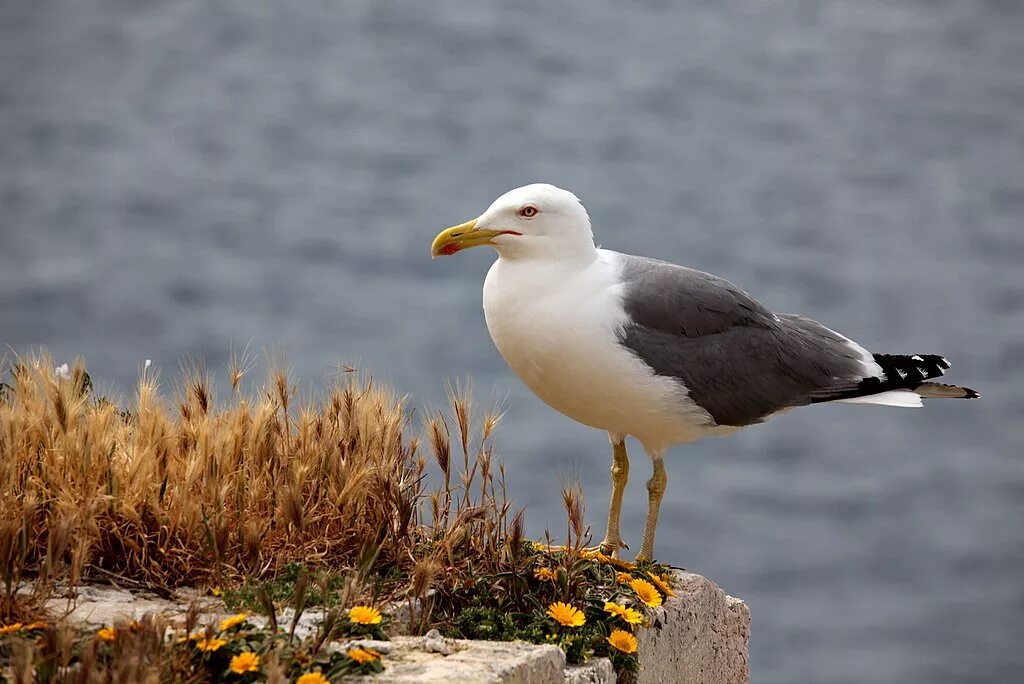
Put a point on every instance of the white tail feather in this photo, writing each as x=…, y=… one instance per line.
x=901, y=398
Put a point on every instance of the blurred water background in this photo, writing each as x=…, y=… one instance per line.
x=176, y=175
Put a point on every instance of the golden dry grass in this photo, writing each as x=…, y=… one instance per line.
x=177, y=488
x=186, y=490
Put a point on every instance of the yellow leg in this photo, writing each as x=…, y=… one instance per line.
x=655, y=490
x=620, y=475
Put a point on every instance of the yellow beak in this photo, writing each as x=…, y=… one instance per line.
x=464, y=236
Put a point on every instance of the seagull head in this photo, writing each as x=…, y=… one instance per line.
x=536, y=221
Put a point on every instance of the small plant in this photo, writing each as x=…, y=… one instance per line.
x=233, y=651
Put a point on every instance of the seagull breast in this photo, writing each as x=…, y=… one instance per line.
x=556, y=324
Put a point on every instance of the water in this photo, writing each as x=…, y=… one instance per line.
x=178, y=175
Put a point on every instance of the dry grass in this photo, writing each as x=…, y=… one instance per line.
x=320, y=500
x=192, y=491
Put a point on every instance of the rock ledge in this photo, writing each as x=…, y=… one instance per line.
x=698, y=637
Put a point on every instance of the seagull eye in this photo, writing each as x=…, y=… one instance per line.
x=529, y=211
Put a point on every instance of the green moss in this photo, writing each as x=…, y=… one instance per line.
x=281, y=589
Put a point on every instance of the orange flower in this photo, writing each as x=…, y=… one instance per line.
x=35, y=625
x=623, y=641
x=364, y=615
x=662, y=583
x=312, y=678
x=210, y=645
x=646, y=592
x=107, y=634
x=630, y=615
x=233, y=621
x=566, y=615
x=9, y=629
x=623, y=577
x=246, y=661
x=363, y=655
x=545, y=574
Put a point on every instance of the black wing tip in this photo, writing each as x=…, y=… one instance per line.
x=905, y=369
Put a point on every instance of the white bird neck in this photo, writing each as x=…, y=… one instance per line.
x=568, y=253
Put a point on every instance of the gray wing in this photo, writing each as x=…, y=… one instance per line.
x=739, y=361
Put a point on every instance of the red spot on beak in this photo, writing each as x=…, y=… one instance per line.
x=449, y=249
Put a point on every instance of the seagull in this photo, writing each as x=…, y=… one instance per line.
x=663, y=353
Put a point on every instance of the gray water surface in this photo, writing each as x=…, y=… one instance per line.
x=177, y=175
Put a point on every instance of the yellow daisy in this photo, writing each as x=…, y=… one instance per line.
x=363, y=655
x=107, y=634
x=566, y=615
x=233, y=621
x=312, y=678
x=10, y=629
x=621, y=640
x=246, y=661
x=623, y=577
x=662, y=582
x=545, y=574
x=364, y=615
x=210, y=645
x=630, y=615
x=614, y=608
x=646, y=592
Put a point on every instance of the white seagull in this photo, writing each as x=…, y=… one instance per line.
x=667, y=354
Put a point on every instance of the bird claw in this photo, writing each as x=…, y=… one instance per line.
x=604, y=548
x=608, y=548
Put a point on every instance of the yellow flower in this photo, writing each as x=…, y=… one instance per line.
x=614, y=608
x=246, y=661
x=364, y=615
x=8, y=629
x=630, y=615
x=622, y=640
x=363, y=655
x=233, y=621
x=623, y=577
x=662, y=583
x=210, y=645
x=545, y=574
x=566, y=615
x=107, y=634
x=35, y=625
x=312, y=678
x=216, y=591
x=646, y=592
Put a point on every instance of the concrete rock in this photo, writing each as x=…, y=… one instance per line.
x=595, y=671
x=382, y=647
x=433, y=642
x=471, y=662
x=308, y=624
x=101, y=605
x=699, y=637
